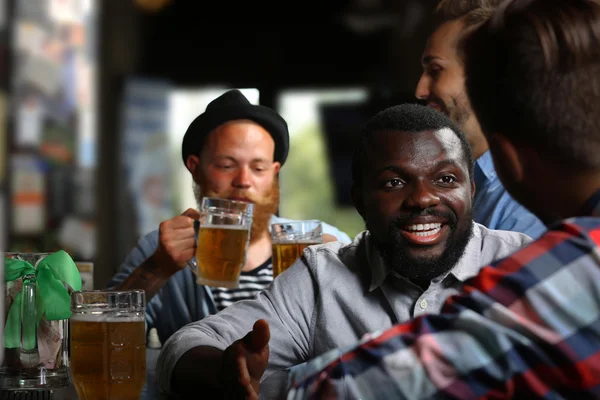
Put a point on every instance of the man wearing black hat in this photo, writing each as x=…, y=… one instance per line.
x=233, y=150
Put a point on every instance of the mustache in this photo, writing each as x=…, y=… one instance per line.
x=404, y=220
x=253, y=198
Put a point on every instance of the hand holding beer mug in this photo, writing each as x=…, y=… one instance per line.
x=290, y=239
x=108, y=344
x=222, y=241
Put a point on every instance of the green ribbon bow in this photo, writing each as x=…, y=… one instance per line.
x=52, y=298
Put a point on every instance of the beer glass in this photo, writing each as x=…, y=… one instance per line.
x=290, y=239
x=108, y=344
x=223, y=240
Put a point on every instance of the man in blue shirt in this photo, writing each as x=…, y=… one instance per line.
x=233, y=150
x=442, y=86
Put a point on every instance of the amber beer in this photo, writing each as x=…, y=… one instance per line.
x=284, y=254
x=108, y=344
x=221, y=254
x=108, y=356
x=289, y=240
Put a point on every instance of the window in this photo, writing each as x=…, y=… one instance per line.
x=316, y=179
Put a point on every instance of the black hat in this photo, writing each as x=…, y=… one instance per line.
x=231, y=106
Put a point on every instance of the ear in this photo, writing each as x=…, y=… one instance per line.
x=473, y=189
x=357, y=199
x=193, y=165
x=507, y=157
x=276, y=166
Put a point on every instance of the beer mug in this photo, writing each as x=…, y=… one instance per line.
x=108, y=344
x=289, y=240
x=223, y=240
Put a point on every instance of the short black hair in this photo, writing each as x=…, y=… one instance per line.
x=410, y=118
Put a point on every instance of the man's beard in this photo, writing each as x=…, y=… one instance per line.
x=422, y=271
x=264, y=207
x=459, y=109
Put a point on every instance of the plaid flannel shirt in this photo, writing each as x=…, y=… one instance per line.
x=527, y=326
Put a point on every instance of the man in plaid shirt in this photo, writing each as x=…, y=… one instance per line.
x=527, y=326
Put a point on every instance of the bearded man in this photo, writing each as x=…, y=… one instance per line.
x=233, y=150
x=413, y=185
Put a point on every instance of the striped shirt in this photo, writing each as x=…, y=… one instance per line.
x=251, y=283
x=527, y=326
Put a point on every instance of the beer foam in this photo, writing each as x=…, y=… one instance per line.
x=231, y=227
x=111, y=316
x=309, y=242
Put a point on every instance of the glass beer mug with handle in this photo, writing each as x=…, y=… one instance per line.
x=223, y=239
x=108, y=344
x=289, y=239
x=35, y=339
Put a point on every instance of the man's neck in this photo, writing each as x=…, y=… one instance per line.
x=575, y=191
x=259, y=251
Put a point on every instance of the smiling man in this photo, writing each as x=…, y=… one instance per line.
x=416, y=203
x=413, y=186
x=442, y=87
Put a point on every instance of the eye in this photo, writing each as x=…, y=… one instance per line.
x=434, y=71
x=392, y=183
x=224, y=166
x=259, y=168
x=447, y=179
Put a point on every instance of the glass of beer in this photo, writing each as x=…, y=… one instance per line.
x=223, y=240
x=108, y=344
x=290, y=239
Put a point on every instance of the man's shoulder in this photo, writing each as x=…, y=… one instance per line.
x=571, y=240
x=337, y=265
x=500, y=238
x=348, y=255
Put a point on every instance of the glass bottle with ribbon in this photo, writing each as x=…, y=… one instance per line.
x=37, y=293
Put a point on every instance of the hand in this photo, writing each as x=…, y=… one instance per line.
x=176, y=241
x=244, y=362
x=329, y=238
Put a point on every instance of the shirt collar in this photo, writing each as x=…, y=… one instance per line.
x=484, y=169
x=466, y=267
x=592, y=206
x=379, y=269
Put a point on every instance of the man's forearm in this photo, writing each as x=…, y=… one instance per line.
x=149, y=276
x=197, y=372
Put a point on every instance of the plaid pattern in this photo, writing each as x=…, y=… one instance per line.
x=527, y=326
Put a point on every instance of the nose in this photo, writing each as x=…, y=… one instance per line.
x=242, y=179
x=421, y=196
x=422, y=90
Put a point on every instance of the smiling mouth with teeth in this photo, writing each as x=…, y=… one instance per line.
x=424, y=229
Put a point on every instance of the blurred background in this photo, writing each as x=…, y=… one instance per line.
x=95, y=96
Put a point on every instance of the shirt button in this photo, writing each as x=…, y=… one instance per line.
x=423, y=304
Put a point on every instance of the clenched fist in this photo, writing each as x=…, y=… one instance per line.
x=176, y=241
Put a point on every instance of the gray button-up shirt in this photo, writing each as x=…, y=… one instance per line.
x=331, y=297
